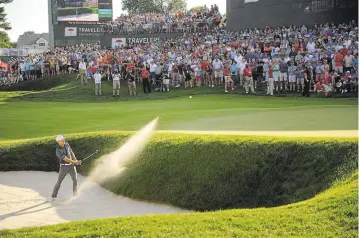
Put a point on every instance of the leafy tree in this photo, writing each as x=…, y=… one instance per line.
x=159, y=6
x=3, y=22
x=197, y=8
x=4, y=25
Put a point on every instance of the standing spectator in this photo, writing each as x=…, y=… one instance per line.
x=227, y=79
x=270, y=81
x=276, y=74
x=241, y=67
x=319, y=71
x=307, y=80
x=145, y=75
x=98, y=78
x=348, y=62
x=292, y=76
x=116, y=83
x=283, y=75
x=234, y=72
x=82, y=72
x=218, y=67
x=300, y=77
x=131, y=82
x=338, y=59
x=248, y=79
x=153, y=67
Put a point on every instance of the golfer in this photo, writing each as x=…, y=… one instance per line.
x=67, y=160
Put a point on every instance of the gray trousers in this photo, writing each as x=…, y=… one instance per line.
x=64, y=170
x=98, y=88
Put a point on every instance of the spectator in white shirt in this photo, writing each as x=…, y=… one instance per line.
x=218, y=70
x=241, y=67
x=311, y=46
x=348, y=62
x=82, y=72
x=97, y=78
x=153, y=67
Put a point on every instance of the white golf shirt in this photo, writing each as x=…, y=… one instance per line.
x=82, y=65
x=153, y=68
x=97, y=77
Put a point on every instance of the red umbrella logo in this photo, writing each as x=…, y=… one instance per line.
x=119, y=41
x=71, y=29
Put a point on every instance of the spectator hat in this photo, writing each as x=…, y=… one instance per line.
x=59, y=137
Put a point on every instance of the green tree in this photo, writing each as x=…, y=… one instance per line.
x=159, y=6
x=3, y=22
x=4, y=26
x=197, y=8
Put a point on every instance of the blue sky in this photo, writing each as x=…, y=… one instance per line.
x=32, y=15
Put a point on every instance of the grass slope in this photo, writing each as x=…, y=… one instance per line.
x=333, y=213
x=206, y=172
x=73, y=108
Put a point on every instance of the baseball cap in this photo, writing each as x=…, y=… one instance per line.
x=59, y=137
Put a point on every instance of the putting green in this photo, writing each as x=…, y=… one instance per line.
x=216, y=112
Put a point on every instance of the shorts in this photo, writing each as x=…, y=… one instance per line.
x=28, y=72
x=199, y=78
x=276, y=76
x=82, y=72
x=221, y=74
x=292, y=78
x=116, y=84
x=283, y=77
x=339, y=69
x=319, y=77
x=228, y=79
x=153, y=75
x=217, y=74
x=300, y=81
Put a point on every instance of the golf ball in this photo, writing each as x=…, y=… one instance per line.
x=190, y=96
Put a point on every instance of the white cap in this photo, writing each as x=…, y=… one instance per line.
x=59, y=137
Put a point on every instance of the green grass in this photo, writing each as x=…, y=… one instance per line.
x=309, y=186
x=69, y=107
x=333, y=213
x=206, y=172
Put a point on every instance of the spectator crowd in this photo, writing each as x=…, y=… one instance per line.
x=196, y=20
x=321, y=59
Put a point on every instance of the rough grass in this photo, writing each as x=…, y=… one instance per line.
x=332, y=213
x=206, y=172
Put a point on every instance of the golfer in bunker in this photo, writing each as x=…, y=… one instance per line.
x=68, y=162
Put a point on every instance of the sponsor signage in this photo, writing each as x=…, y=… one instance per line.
x=83, y=31
x=70, y=31
x=118, y=42
x=145, y=40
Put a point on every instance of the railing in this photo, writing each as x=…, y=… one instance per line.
x=156, y=28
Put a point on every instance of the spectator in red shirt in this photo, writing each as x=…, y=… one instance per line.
x=339, y=62
x=145, y=76
x=248, y=79
x=227, y=79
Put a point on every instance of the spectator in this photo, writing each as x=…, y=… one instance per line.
x=116, y=83
x=97, y=78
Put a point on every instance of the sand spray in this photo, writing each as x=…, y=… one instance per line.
x=111, y=165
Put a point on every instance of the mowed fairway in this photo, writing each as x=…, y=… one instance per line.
x=28, y=119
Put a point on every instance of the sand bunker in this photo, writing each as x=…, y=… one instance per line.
x=23, y=202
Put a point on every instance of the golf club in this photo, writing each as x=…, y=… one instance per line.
x=89, y=156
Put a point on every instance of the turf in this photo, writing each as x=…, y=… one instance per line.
x=63, y=106
x=72, y=108
x=333, y=213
